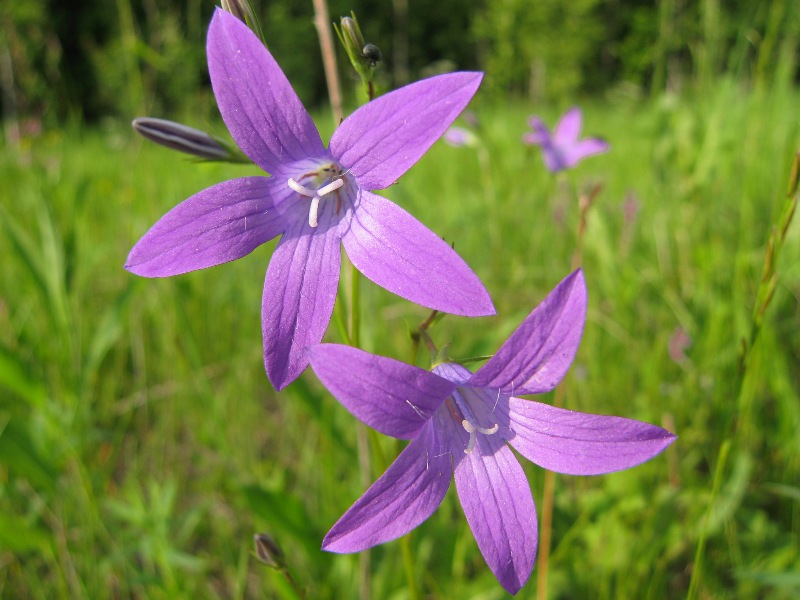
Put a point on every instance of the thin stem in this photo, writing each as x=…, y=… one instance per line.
x=322, y=23
x=408, y=565
x=585, y=202
x=764, y=295
x=355, y=307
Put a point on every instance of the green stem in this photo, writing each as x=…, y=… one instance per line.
x=408, y=564
x=355, y=307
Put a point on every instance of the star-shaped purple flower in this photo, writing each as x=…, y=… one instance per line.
x=459, y=422
x=563, y=150
x=315, y=197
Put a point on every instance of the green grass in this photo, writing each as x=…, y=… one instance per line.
x=141, y=445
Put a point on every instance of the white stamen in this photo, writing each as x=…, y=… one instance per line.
x=333, y=185
x=312, y=213
x=472, y=430
x=300, y=189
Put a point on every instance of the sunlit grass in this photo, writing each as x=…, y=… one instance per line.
x=141, y=445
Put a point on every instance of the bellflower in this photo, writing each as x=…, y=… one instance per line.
x=314, y=197
x=563, y=150
x=459, y=423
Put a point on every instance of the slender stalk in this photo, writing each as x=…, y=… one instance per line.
x=408, y=565
x=764, y=295
x=322, y=23
x=585, y=201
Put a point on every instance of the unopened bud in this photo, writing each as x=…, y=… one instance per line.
x=351, y=35
x=363, y=56
x=243, y=10
x=268, y=551
x=372, y=53
x=184, y=139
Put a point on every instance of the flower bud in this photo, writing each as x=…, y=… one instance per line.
x=363, y=56
x=372, y=53
x=269, y=552
x=243, y=10
x=184, y=139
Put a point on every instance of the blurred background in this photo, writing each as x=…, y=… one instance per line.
x=141, y=445
x=92, y=59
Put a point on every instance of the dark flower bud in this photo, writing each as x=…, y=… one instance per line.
x=268, y=551
x=372, y=53
x=185, y=139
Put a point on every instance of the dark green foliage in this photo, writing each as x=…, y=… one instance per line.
x=131, y=57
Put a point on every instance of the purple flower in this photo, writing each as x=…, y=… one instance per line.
x=458, y=137
x=459, y=422
x=563, y=150
x=314, y=197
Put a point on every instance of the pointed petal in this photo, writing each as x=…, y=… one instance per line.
x=553, y=157
x=538, y=354
x=399, y=253
x=299, y=293
x=579, y=443
x=540, y=133
x=392, y=397
x=568, y=128
x=582, y=149
x=384, y=138
x=410, y=490
x=257, y=102
x=219, y=224
x=498, y=504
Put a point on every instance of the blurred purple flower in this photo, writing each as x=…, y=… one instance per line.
x=563, y=150
x=315, y=197
x=679, y=342
x=459, y=424
x=459, y=137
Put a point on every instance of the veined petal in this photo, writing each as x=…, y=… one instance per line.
x=384, y=138
x=410, y=490
x=579, y=443
x=219, y=224
x=257, y=103
x=568, y=128
x=299, y=293
x=399, y=253
x=582, y=149
x=538, y=354
x=498, y=504
x=392, y=397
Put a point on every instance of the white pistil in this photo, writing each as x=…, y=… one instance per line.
x=315, y=196
x=472, y=430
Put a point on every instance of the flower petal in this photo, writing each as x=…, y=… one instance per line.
x=582, y=149
x=257, y=102
x=579, y=443
x=538, y=354
x=540, y=133
x=497, y=502
x=568, y=128
x=219, y=224
x=299, y=293
x=392, y=397
x=399, y=253
x=381, y=140
x=410, y=490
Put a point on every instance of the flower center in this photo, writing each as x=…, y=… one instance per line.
x=473, y=429
x=330, y=173
x=462, y=412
